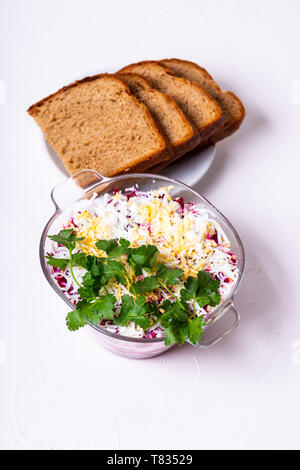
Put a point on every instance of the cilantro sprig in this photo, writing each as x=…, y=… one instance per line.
x=203, y=289
x=93, y=313
x=68, y=239
x=135, y=268
x=180, y=324
x=134, y=311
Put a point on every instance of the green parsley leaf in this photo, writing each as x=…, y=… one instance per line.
x=214, y=299
x=174, y=335
x=175, y=322
x=133, y=311
x=153, y=309
x=195, y=329
x=75, y=320
x=91, y=312
x=88, y=279
x=94, y=265
x=141, y=321
x=174, y=314
x=86, y=293
x=112, y=248
x=143, y=257
x=114, y=269
x=168, y=276
x=91, y=286
x=137, y=315
x=87, y=290
x=203, y=289
x=190, y=292
x=67, y=234
x=169, y=336
x=119, y=251
x=126, y=308
x=104, y=307
x=204, y=278
x=124, y=242
x=148, y=284
x=60, y=263
x=166, y=305
x=79, y=259
x=81, y=316
x=106, y=245
x=66, y=237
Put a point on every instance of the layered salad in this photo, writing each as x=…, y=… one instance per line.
x=143, y=264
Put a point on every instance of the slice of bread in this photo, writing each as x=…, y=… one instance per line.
x=199, y=107
x=232, y=107
x=98, y=123
x=166, y=113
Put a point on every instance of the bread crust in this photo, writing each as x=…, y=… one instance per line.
x=31, y=109
x=145, y=162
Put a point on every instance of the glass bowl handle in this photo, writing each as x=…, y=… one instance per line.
x=220, y=328
x=75, y=187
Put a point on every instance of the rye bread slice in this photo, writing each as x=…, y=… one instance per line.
x=166, y=113
x=232, y=107
x=98, y=123
x=199, y=107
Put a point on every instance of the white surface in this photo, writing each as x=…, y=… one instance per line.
x=59, y=390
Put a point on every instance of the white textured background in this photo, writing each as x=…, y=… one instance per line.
x=60, y=390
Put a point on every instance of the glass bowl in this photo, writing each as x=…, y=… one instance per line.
x=83, y=185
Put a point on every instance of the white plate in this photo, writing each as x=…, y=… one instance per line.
x=189, y=169
x=192, y=167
